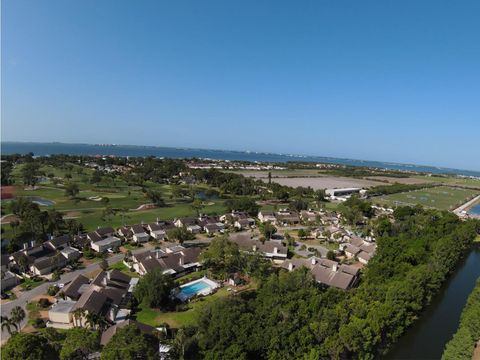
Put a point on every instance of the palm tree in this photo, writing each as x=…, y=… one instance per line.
x=17, y=315
x=14, y=224
x=8, y=324
x=77, y=316
x=102, y=323
x=92, y=320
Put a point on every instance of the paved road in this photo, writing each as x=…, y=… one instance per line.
x=321, y=249
x=27, y=296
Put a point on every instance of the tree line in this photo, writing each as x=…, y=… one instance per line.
x=290, y=316
x=462, y=345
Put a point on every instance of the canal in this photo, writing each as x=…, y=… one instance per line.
x=426, y=339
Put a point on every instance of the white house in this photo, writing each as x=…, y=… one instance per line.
x=139, y=234
x=156, y=231
x=267, y=216
x=108, y=243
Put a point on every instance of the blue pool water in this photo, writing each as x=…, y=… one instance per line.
x=475, y=210
x=193, y=289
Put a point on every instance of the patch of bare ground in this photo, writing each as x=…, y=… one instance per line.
x=393, y=180
x=7, y=219
x=476, y=352
x=325, y=182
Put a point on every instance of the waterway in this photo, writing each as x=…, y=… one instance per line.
x=426, y=339
x=43, y=149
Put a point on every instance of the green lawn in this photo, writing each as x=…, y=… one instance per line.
x=451, y=180
x=121, y=196
x=440, y=197
x=123, y=268
x=29, y=284
x=179, y=318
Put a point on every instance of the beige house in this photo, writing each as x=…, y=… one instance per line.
x=60, y=316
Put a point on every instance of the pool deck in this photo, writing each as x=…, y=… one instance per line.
x=462, y=211
x=212, y=285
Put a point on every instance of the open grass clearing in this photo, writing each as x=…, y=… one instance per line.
x=440, y=197
x=177, y=319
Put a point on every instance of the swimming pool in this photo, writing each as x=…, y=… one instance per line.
x=203, y=286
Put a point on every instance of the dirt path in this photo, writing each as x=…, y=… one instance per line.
x=476, y=352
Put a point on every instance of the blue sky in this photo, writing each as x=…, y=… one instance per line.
x=377, y=80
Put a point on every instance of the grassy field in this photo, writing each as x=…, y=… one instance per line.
x=440, y=197
x=177, y=319
x=126, y=199
x=452, y=180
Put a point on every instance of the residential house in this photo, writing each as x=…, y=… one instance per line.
x=308, y=215
x=59, y=242
x=125, y=232
x=8, y=280
x=244, y=223
x=60, y=315
x=351, y=251
x=105, y=244
x=326, y=272
x=181, y=222
x=140, y=235
x=359, y=248
x=286, y=217
x=75, y=288
x=176, y=261
x=105, y=232
x=157, y=231
x=194, y=228
x=273, y=250
x=39, y=260
x=213, y=228
x=46, y=265
x=106, y=297
x=267, y=216
x=70, y=253
x=5, y=262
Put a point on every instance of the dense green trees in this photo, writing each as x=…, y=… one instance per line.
x=129, y=343
x=31, y=172
x=291, y=317
x=228, y=183
x=71, y=189
x=462, y=345
x=222, y=256
x=79, y=343
x=242, y=204
x=17, y=315
x=268, y=230
x=354, y=210
x=25, y=346
x=155, y=197
x=180, y=234
x=154, y=289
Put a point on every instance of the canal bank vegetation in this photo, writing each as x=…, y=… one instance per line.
x=462, y=345
x=289, y=316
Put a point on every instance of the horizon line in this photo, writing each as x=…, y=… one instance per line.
x=239, y=151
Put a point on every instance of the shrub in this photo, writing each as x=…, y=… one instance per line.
x=38, y=323
x=44, y=303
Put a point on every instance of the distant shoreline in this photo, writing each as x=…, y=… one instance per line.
x=50, y=148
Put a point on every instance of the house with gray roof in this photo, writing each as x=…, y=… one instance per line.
x=176, y=262
x=326, y=272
